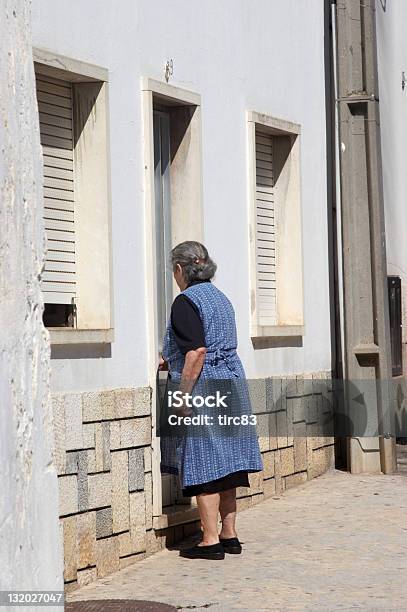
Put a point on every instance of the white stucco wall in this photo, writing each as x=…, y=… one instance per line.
x=30, y=553
x=392, y=61
x=238, y=54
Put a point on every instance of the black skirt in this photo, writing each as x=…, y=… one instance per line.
x=231, y=481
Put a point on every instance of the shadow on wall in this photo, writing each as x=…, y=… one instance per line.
x=277, y=342
x=80, y=351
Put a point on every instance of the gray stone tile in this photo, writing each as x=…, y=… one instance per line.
x=257, y=391
x=273, y=393
x=58, y=419
x=92, y=408
x=298, y=404
x=104, y=523
x=291, y=387
x=107, y=463
x=88, y=430
x=136, y=469
x=73, y=422
x=83, y=494
x=142, y=401
x=71, y=462
x=311, y=409
x=68, y=495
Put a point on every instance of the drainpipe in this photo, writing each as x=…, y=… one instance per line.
x=337, y=186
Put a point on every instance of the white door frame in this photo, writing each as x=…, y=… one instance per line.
x=173, y=96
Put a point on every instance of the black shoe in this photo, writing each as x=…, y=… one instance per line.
x=231, y=545
x=213, y=551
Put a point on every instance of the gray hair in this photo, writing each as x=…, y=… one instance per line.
x=194, y=260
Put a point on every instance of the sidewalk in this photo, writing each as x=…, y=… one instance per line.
x=338, y=542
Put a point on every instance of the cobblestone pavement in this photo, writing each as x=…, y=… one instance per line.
x=338, y=542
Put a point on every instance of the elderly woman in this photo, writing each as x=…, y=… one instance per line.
x=199, y=347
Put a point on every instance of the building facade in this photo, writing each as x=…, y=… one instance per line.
x=392, y=62
x=162, y=122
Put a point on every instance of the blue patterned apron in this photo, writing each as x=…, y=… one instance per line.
x=214, y=452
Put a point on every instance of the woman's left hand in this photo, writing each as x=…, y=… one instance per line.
x=162, y=365
x=183, y=411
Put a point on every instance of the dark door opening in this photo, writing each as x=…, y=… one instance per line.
x=394, y=289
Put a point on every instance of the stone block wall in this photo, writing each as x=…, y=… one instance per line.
x=103, y=459
x=290, y=412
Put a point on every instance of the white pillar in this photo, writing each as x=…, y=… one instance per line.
x=30, y=548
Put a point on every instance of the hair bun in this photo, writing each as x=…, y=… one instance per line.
x=194, y=260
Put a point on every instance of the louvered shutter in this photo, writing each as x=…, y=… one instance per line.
x=265, y=230
x=56, y=130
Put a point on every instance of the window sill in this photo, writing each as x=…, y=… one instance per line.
x=80, y=336
x=272, y=331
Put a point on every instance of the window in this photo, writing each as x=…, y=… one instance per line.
x=56, y=131
x=275, y=227
x=76, y=280
x=265, y=230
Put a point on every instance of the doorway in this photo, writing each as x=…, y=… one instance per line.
x=163, y=243
x=394, y=289
x=173, y=188
x=162, y=193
